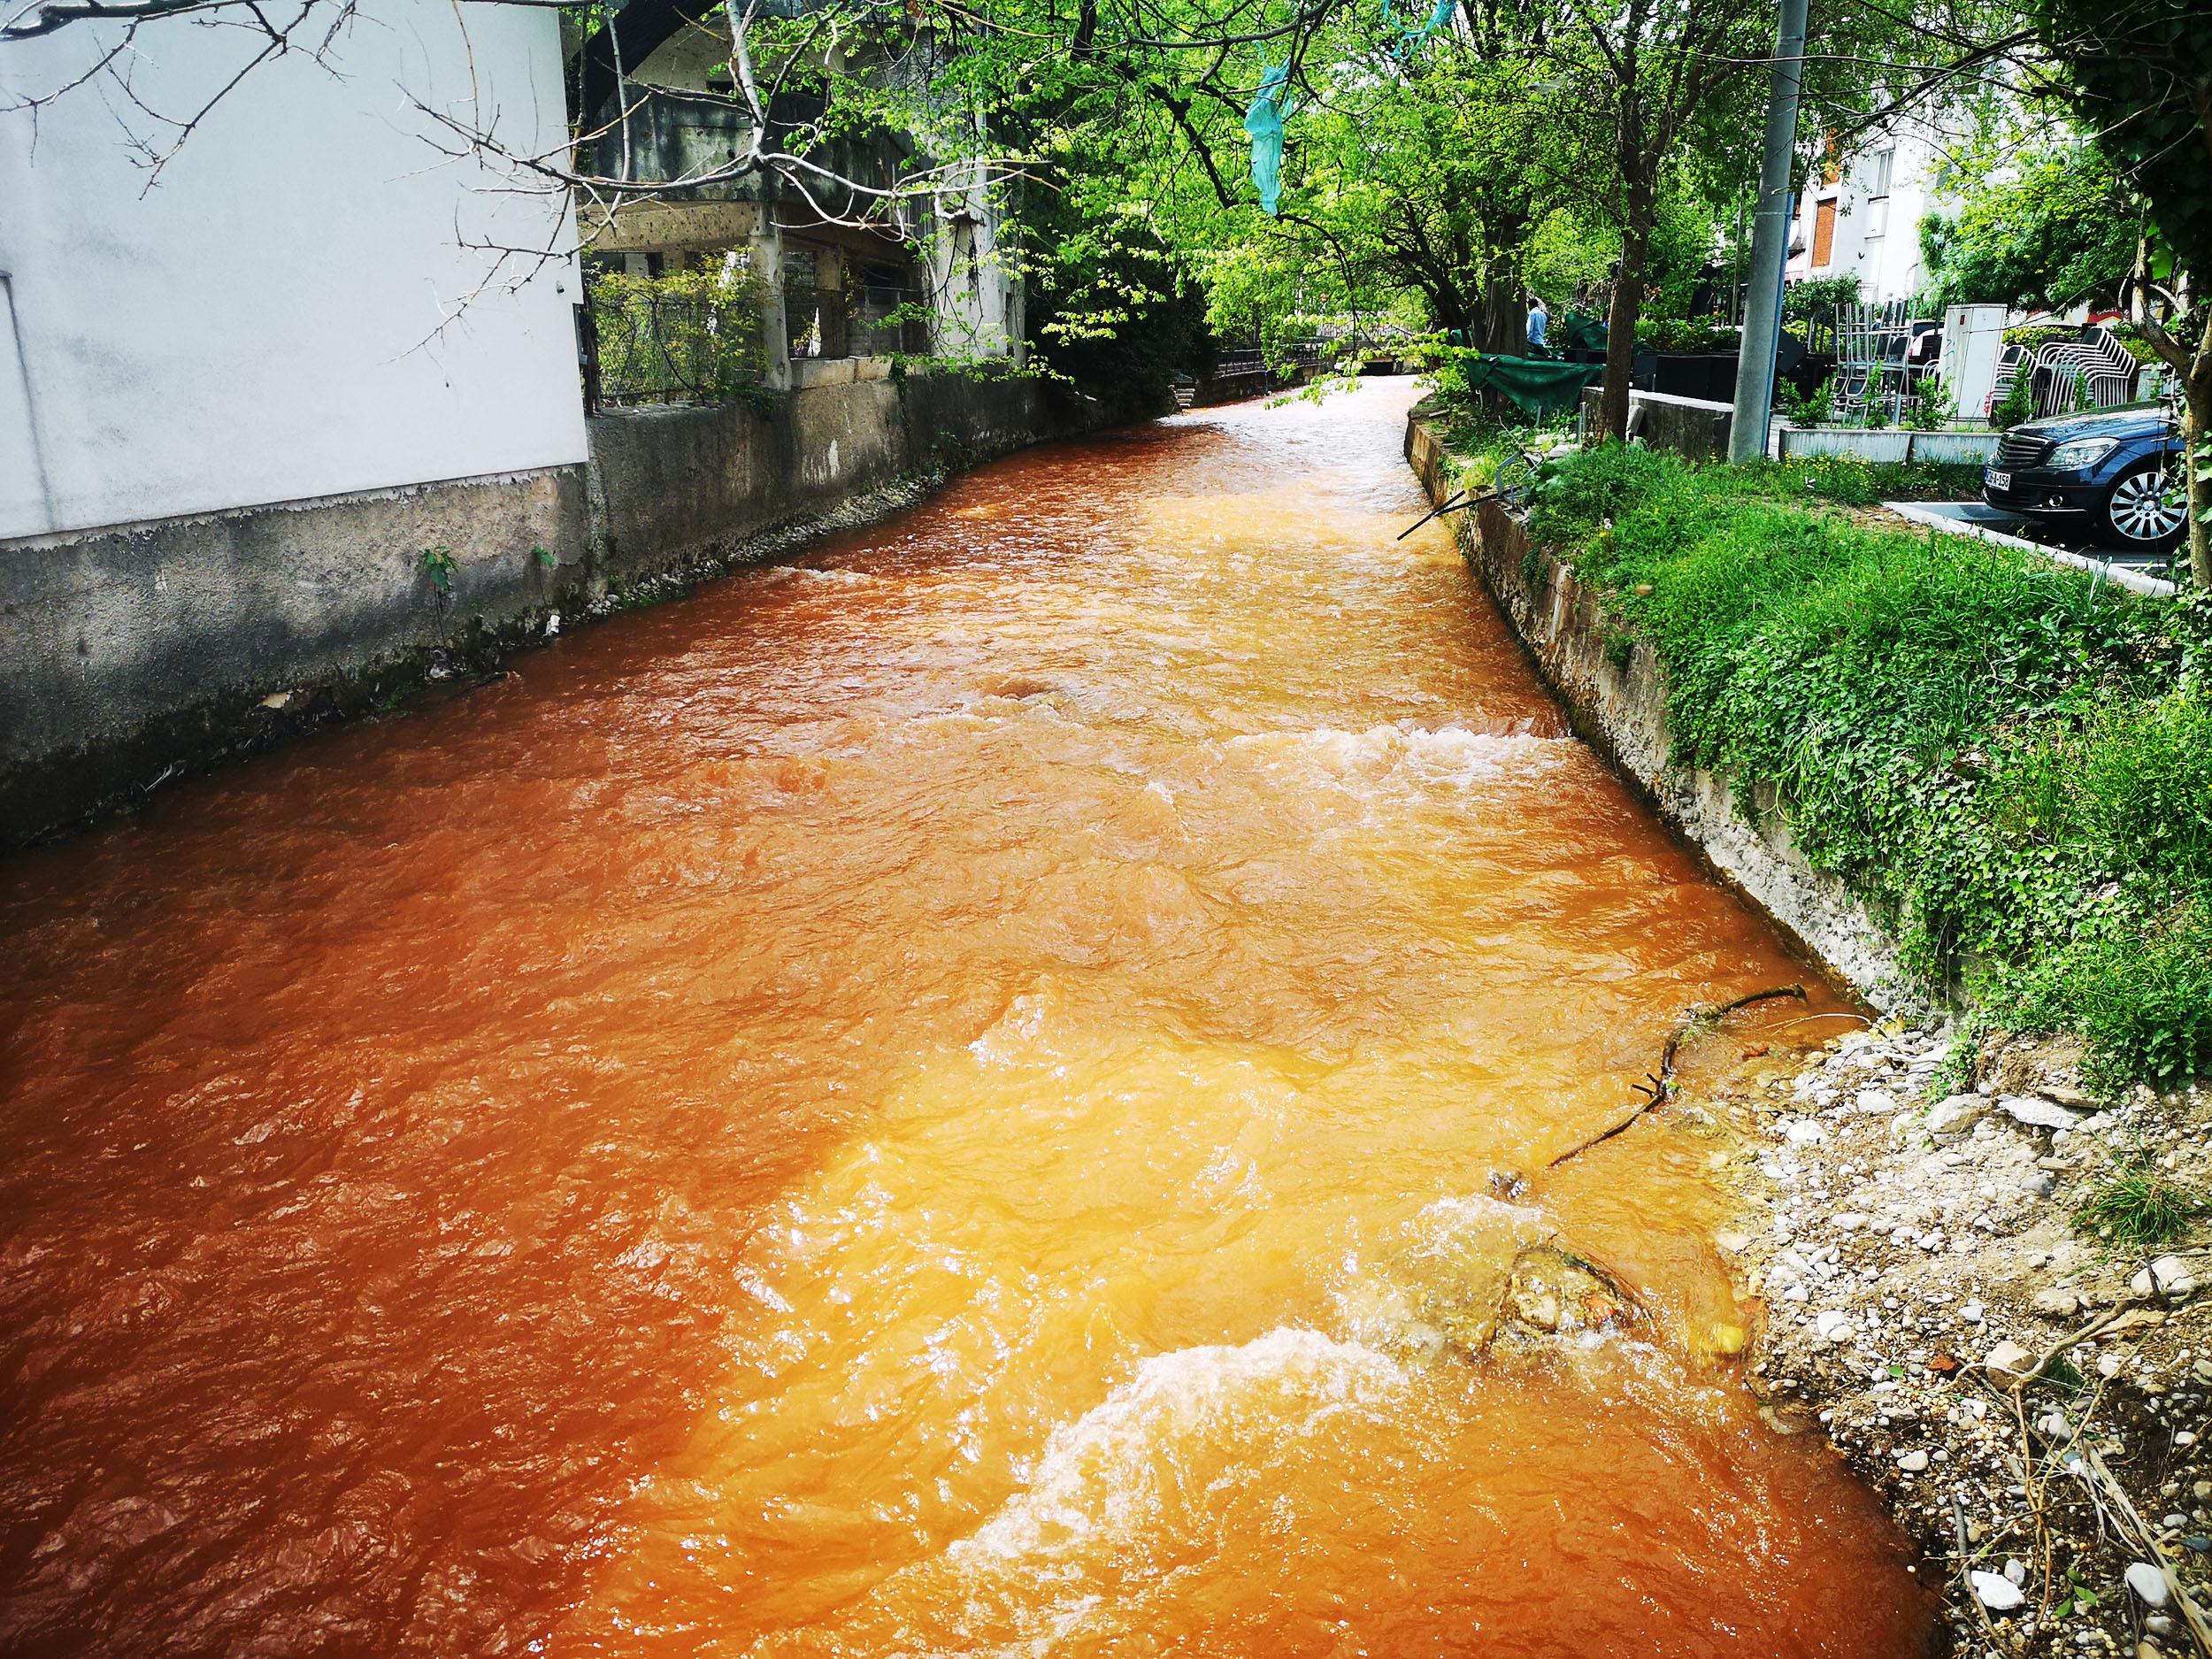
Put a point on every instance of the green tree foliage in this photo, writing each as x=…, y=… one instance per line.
x=2138, y=73
x=2044, y=232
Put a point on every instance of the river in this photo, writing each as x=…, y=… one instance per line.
x=951, y=1097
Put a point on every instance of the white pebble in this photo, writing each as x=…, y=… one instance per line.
x=2148, y=1583
x=1998, y=1593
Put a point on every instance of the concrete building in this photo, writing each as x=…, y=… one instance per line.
x=275, y=410
x=286, y=312
x=841, y=298
x=1861, y=215
x=283, y=432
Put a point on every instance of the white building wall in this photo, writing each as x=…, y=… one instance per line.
x=975, y=293
x=1878, y=208
x=287, y=312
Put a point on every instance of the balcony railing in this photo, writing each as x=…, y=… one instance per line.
x=692, y=338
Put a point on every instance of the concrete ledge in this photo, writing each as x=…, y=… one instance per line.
x=135, y=655
x=809, y=372
x=127, y=654
x=1890, y=444
x=1568, y=634
x=1690, y=426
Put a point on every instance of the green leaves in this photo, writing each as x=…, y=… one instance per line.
x=2040, y=232
x=2016, y=776
x=438, y=565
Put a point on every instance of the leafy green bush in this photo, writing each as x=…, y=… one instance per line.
x=2018, y=405
x=1816, y=407
x=1931, y=408
x=691, y=335
x=1800, y=300
x=1698, y=333
x=2140, y=997
x=1995, y=750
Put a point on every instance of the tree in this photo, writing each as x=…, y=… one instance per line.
x=1431, y=181
x=2138, y=75
x=1636, y=80
x=2058, y=226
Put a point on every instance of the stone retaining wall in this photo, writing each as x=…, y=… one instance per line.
x=134, y=654
x=1572, y=639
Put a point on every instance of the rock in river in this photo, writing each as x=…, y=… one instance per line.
x=1554, y=1293
x=1998, y=1593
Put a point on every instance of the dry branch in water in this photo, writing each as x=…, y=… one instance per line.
x=1661, y=1087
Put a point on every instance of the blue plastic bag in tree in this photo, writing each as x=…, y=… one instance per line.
x=1264, y=120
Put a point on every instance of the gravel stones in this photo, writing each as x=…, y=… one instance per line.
x=1915, y=1266
x=2148, y=1583
x=2034, y=1111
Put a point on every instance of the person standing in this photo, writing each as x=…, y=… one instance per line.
x=1539, y=320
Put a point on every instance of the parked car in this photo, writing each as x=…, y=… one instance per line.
x=2115, y=472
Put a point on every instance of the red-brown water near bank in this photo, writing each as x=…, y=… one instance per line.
x=922, y=1103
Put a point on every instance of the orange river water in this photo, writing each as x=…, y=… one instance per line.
x=921, y=1101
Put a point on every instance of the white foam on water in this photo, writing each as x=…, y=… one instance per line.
x=1105, y=1475
x=1452, y=757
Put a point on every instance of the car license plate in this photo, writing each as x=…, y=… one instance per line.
x=2001, y=481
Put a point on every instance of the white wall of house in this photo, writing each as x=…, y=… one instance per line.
x=1865, y=221
x=287, y=312
x=974, y=289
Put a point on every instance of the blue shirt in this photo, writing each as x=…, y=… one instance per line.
x=1539, y=320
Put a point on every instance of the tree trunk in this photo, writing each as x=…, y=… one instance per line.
x=1450, y=312
x=1504, y=323
x=2196, y=459
x=1628, y=305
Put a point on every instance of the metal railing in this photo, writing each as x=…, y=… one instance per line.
x=865, y=320
x=644, y=344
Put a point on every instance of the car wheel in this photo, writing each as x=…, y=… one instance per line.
x=2146, y=508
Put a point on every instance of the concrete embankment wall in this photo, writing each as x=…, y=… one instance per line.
x=1574, y=640
x=133, y=653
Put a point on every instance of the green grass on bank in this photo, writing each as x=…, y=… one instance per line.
x=2013, y=762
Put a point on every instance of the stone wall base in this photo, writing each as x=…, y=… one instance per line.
x=1575, y=643
x=133, y=655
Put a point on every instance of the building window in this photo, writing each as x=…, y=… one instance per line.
x=1879, y=168
x=1824, y=234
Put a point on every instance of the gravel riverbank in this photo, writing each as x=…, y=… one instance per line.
x=2028, y=1396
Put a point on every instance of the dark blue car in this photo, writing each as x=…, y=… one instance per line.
x=2112, y=473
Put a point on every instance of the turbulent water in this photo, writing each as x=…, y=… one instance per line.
x=942, y=1099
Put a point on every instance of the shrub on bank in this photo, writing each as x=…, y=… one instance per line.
x=2011, y=759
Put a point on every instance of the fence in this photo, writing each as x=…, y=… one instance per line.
x=690, y=338
x=865, y=315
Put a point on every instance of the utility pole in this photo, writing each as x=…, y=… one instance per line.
x=1769, y=242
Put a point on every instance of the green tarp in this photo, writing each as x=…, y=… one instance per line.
x=1541, y=388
